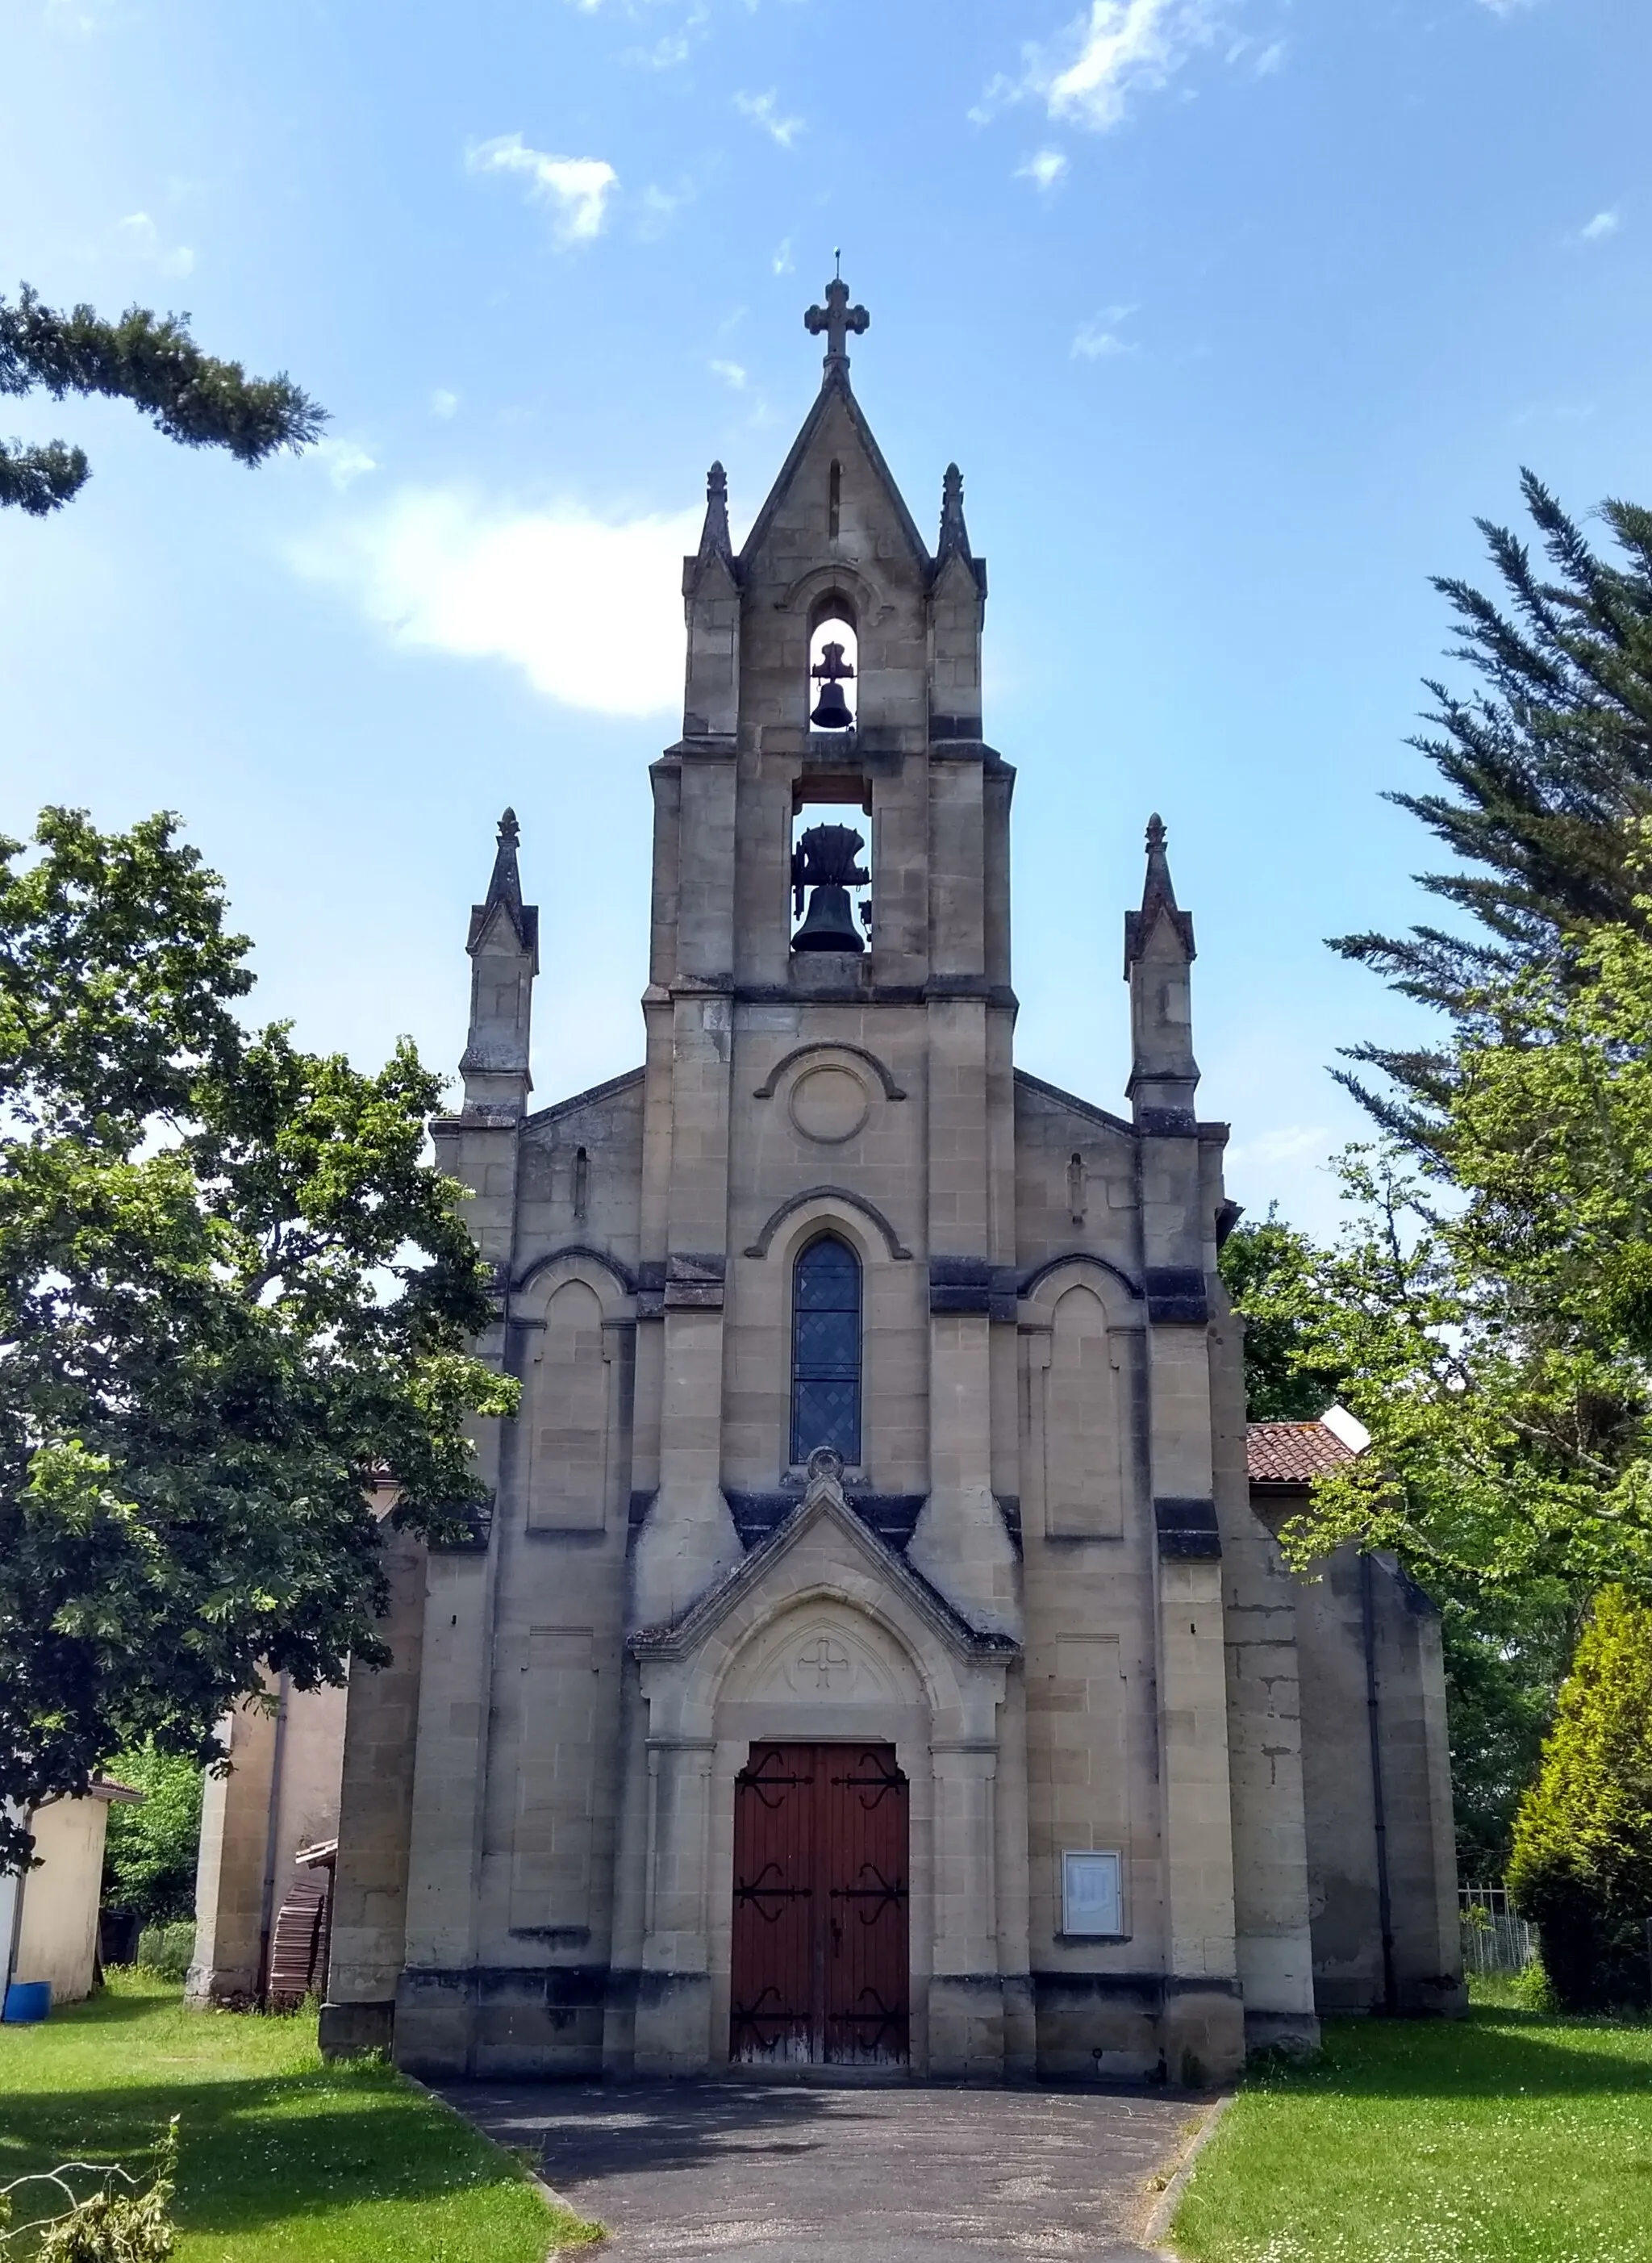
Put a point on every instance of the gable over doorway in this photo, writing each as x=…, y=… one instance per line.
x=822, y=1950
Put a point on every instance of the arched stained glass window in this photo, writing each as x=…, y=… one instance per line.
x=826, y=1350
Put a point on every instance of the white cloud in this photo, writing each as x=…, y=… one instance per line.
x=1099, y=340
x=1271, y=58
x=761, y=110
x=998, y=91
x=343, y=461
x=782, y=261
x=1045, y=167
x=576, y=188
x=660, y=207
x=1118, y=48
x=1603, y=225
x=589, y=609
x=731, y=373
x=1507, y=7
x=672, y=50
x=443, y=403
x=142, y=237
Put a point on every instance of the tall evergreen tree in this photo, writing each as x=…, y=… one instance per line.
x=1544, y=764
x=1583, y=1845
x=152, y=361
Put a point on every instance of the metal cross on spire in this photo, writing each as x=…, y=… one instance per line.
x=837, y=318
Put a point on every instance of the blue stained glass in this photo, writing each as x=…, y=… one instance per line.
x=826, y=1350
x=827, y=1343
x=828, y=1277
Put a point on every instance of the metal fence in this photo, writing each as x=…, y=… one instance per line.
x=1494, y=1939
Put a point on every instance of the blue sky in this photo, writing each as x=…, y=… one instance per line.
x=1235, y=314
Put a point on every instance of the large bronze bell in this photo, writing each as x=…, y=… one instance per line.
x=830, y=925
x=826, y=864
x=832, y=709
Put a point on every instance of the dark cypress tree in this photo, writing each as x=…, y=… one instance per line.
x=152, y=361
x=1543, y=765
x=1582, y=1867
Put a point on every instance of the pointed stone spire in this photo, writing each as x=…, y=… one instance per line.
x=505, y=887
x=714, y=536
x=1158, y=954
x=955, y=535
x=1159, y=895
x=711, y=611
x=504, y=959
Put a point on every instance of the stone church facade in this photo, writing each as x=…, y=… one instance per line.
x=873, y=1657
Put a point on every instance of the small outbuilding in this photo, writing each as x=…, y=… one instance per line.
x=1376, y=1756
x=48, y=1917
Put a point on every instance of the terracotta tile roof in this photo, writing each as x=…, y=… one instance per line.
x=1292, y=1453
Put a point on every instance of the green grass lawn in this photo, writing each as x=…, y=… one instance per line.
x=1509, y=2137
x=284, y=2158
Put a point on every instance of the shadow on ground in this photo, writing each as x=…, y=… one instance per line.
x=1489, y=2054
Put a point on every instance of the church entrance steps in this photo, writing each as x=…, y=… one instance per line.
x=806, y=2174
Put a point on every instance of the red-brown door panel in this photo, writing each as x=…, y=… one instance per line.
x=821, y=1908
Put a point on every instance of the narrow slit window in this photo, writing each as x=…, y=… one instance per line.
x=826, y=1350
x=834, y=499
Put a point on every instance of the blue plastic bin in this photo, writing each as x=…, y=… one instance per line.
x=27, y=2000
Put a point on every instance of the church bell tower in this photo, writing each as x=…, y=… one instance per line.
x=829, y=1007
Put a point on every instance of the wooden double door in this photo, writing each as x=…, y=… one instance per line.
x=821, y=1961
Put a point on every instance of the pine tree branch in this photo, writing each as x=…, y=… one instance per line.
x=40, y=480
x=152, y=361
x=1545, y=769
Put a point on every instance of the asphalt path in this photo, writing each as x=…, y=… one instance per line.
x=764, y=2173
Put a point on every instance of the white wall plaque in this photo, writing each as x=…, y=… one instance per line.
x=1091, y=1901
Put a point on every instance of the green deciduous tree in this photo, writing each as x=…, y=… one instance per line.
x=1280, y=1386
x=1582, y=1867
x=1505, y=1655
x=1489, y=1307
x=1506, y=1646
x=149, y=1854
x=1495, y=1340
x=1511, y=1430
x=1544, y=763
x=152, y=361
x=232, y=1288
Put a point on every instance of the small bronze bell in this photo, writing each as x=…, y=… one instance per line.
x=826, y=863
x=832, y=709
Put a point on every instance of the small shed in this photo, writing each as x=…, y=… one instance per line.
x=48, y=1918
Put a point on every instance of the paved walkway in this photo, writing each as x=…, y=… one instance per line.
x=761, y=2174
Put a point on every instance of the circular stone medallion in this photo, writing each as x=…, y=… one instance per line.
x=829, y=1104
